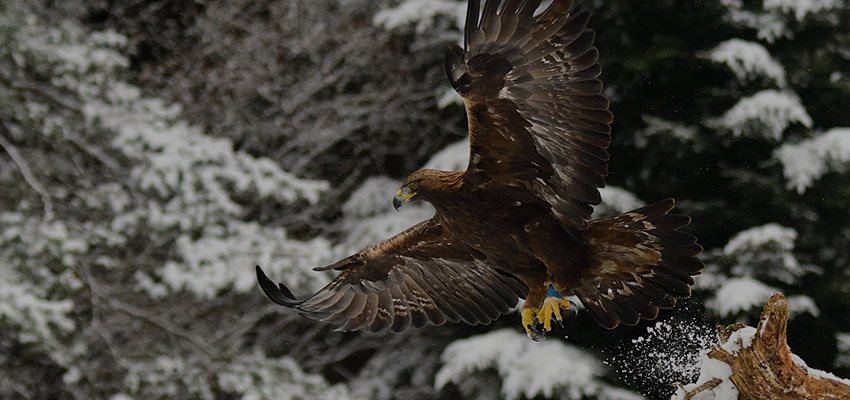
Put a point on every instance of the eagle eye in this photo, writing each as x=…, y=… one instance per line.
x=413, y=186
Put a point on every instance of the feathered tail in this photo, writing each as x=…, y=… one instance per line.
x=641, y=264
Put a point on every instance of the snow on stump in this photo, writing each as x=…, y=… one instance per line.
x=760, y=365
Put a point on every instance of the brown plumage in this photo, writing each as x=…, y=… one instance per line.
x=519, y=218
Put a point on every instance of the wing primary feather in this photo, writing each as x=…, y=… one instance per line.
x=285, y=290
x=511, y=7
x=508, y=24
x=490, y=22
x=555, y=11
x=278, y=294
x=528, y=7
x=576, y=24
x=472, y=11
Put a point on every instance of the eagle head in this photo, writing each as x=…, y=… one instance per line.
x=408, y=190
x=428, y=184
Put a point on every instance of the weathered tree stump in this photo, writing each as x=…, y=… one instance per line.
x=762, y=366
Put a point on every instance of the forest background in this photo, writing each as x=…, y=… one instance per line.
x=152, y=152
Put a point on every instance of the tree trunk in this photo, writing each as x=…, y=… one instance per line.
x=765, y=368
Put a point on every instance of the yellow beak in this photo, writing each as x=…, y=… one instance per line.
x=401, y=198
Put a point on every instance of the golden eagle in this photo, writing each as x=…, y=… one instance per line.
x=517, y=223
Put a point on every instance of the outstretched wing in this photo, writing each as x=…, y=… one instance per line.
x=419, y=277
x=538, y=121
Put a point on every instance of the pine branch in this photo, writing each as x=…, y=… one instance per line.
x=31, y=180
x=166, y=326
x=102, y=300
x=44, y=92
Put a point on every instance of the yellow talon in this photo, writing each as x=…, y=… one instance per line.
x=532, y=317
x=529, y=319
x=552, y=306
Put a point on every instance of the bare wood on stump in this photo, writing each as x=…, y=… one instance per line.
x=765, y=370
x=708, y=385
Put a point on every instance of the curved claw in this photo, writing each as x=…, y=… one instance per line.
x=279, y=293
x=574, y=309
x=552, y=308
x=529, y=323
x=538, y=321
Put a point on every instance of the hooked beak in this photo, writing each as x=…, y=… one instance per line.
x=402, y=196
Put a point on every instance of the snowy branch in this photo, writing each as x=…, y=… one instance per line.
x=805, y=162
x=747, y=60
x=767, y=113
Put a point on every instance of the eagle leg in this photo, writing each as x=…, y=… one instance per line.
x=552, y=306
x=550, y=310
x=529, y=322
